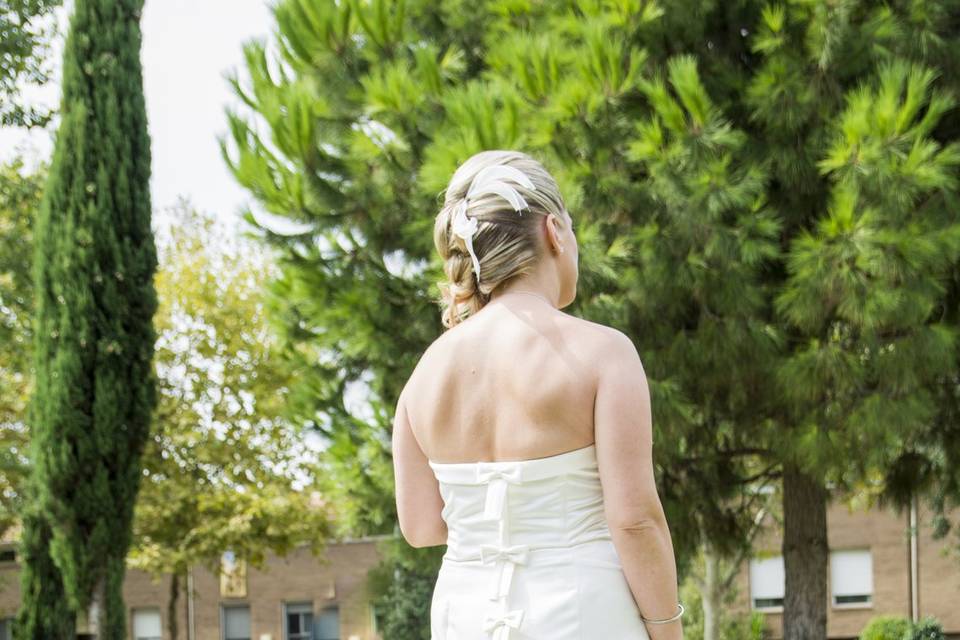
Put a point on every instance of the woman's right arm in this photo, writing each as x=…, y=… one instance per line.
x=624, y=445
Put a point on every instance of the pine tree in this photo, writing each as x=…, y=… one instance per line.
x=93, y=273
x=764, y=196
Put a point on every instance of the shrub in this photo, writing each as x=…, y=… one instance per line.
x=887, y=627
x=927, y=629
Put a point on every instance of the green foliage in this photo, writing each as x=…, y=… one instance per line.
x=401, y=588
x=928, y=628
x=749, y=625
x=19, y=198
x=896, y=627
x=710, y=573
x=887, y=627
x=223, y=464
x=406, y=606
x=765, y=200
x=94, y=261
x=47, y=613
x=23, y=50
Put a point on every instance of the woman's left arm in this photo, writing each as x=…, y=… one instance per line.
x=419, y=502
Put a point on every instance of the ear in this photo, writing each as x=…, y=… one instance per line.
x=553, y=233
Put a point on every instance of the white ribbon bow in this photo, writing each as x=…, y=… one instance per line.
x=516, y=554
x=500, y=626
x=497, y=489
x=488, y=180
x=491, y=553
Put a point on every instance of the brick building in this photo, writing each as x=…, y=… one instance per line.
x=876, y=567
x=290, y=598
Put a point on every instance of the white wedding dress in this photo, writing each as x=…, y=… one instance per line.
x=529, y=554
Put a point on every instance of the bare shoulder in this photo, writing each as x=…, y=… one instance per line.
x=603, y=336
x=604, y=345
x=433, y=355
x=600, y=348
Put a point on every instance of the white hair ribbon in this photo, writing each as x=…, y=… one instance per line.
x=489, y=180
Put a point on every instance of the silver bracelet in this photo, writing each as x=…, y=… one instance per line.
x=665, y=620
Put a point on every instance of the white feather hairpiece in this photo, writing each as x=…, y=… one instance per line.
x=489, y=180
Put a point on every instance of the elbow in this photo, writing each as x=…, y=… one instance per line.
x=421, y=542
x=411, y=537
x=415, y=541
x=638, y=524
x=637, y=517
x=419, y=538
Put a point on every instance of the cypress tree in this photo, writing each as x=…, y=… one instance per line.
x=94, y=262
x=44, y=612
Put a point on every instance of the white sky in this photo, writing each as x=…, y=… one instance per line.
x=189, y=46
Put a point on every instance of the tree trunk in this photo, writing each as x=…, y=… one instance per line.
x=711, y=593
x=804, y=556
x=172, y=605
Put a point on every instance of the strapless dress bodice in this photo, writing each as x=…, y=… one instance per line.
x=531, y=504
x=539, y=522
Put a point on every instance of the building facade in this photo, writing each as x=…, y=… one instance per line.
x=876, y=567
x=295, y=597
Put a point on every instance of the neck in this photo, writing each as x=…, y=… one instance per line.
x=536, y=294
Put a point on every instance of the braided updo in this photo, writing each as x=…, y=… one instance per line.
x=506, y=241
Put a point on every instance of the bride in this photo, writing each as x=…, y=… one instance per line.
x=523, y=438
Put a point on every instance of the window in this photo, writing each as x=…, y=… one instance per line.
x=146, y=624
x=327, y=626
x=236, y=622
x=6, y=629
x=298, y=619
x=8, y=555
x=766, y=582
x=851, y=577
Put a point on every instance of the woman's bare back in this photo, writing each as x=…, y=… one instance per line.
x=513, y=382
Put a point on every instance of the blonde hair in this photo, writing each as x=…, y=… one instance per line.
x=507, y=242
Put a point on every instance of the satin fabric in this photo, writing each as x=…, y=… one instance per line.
x=529, y=554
